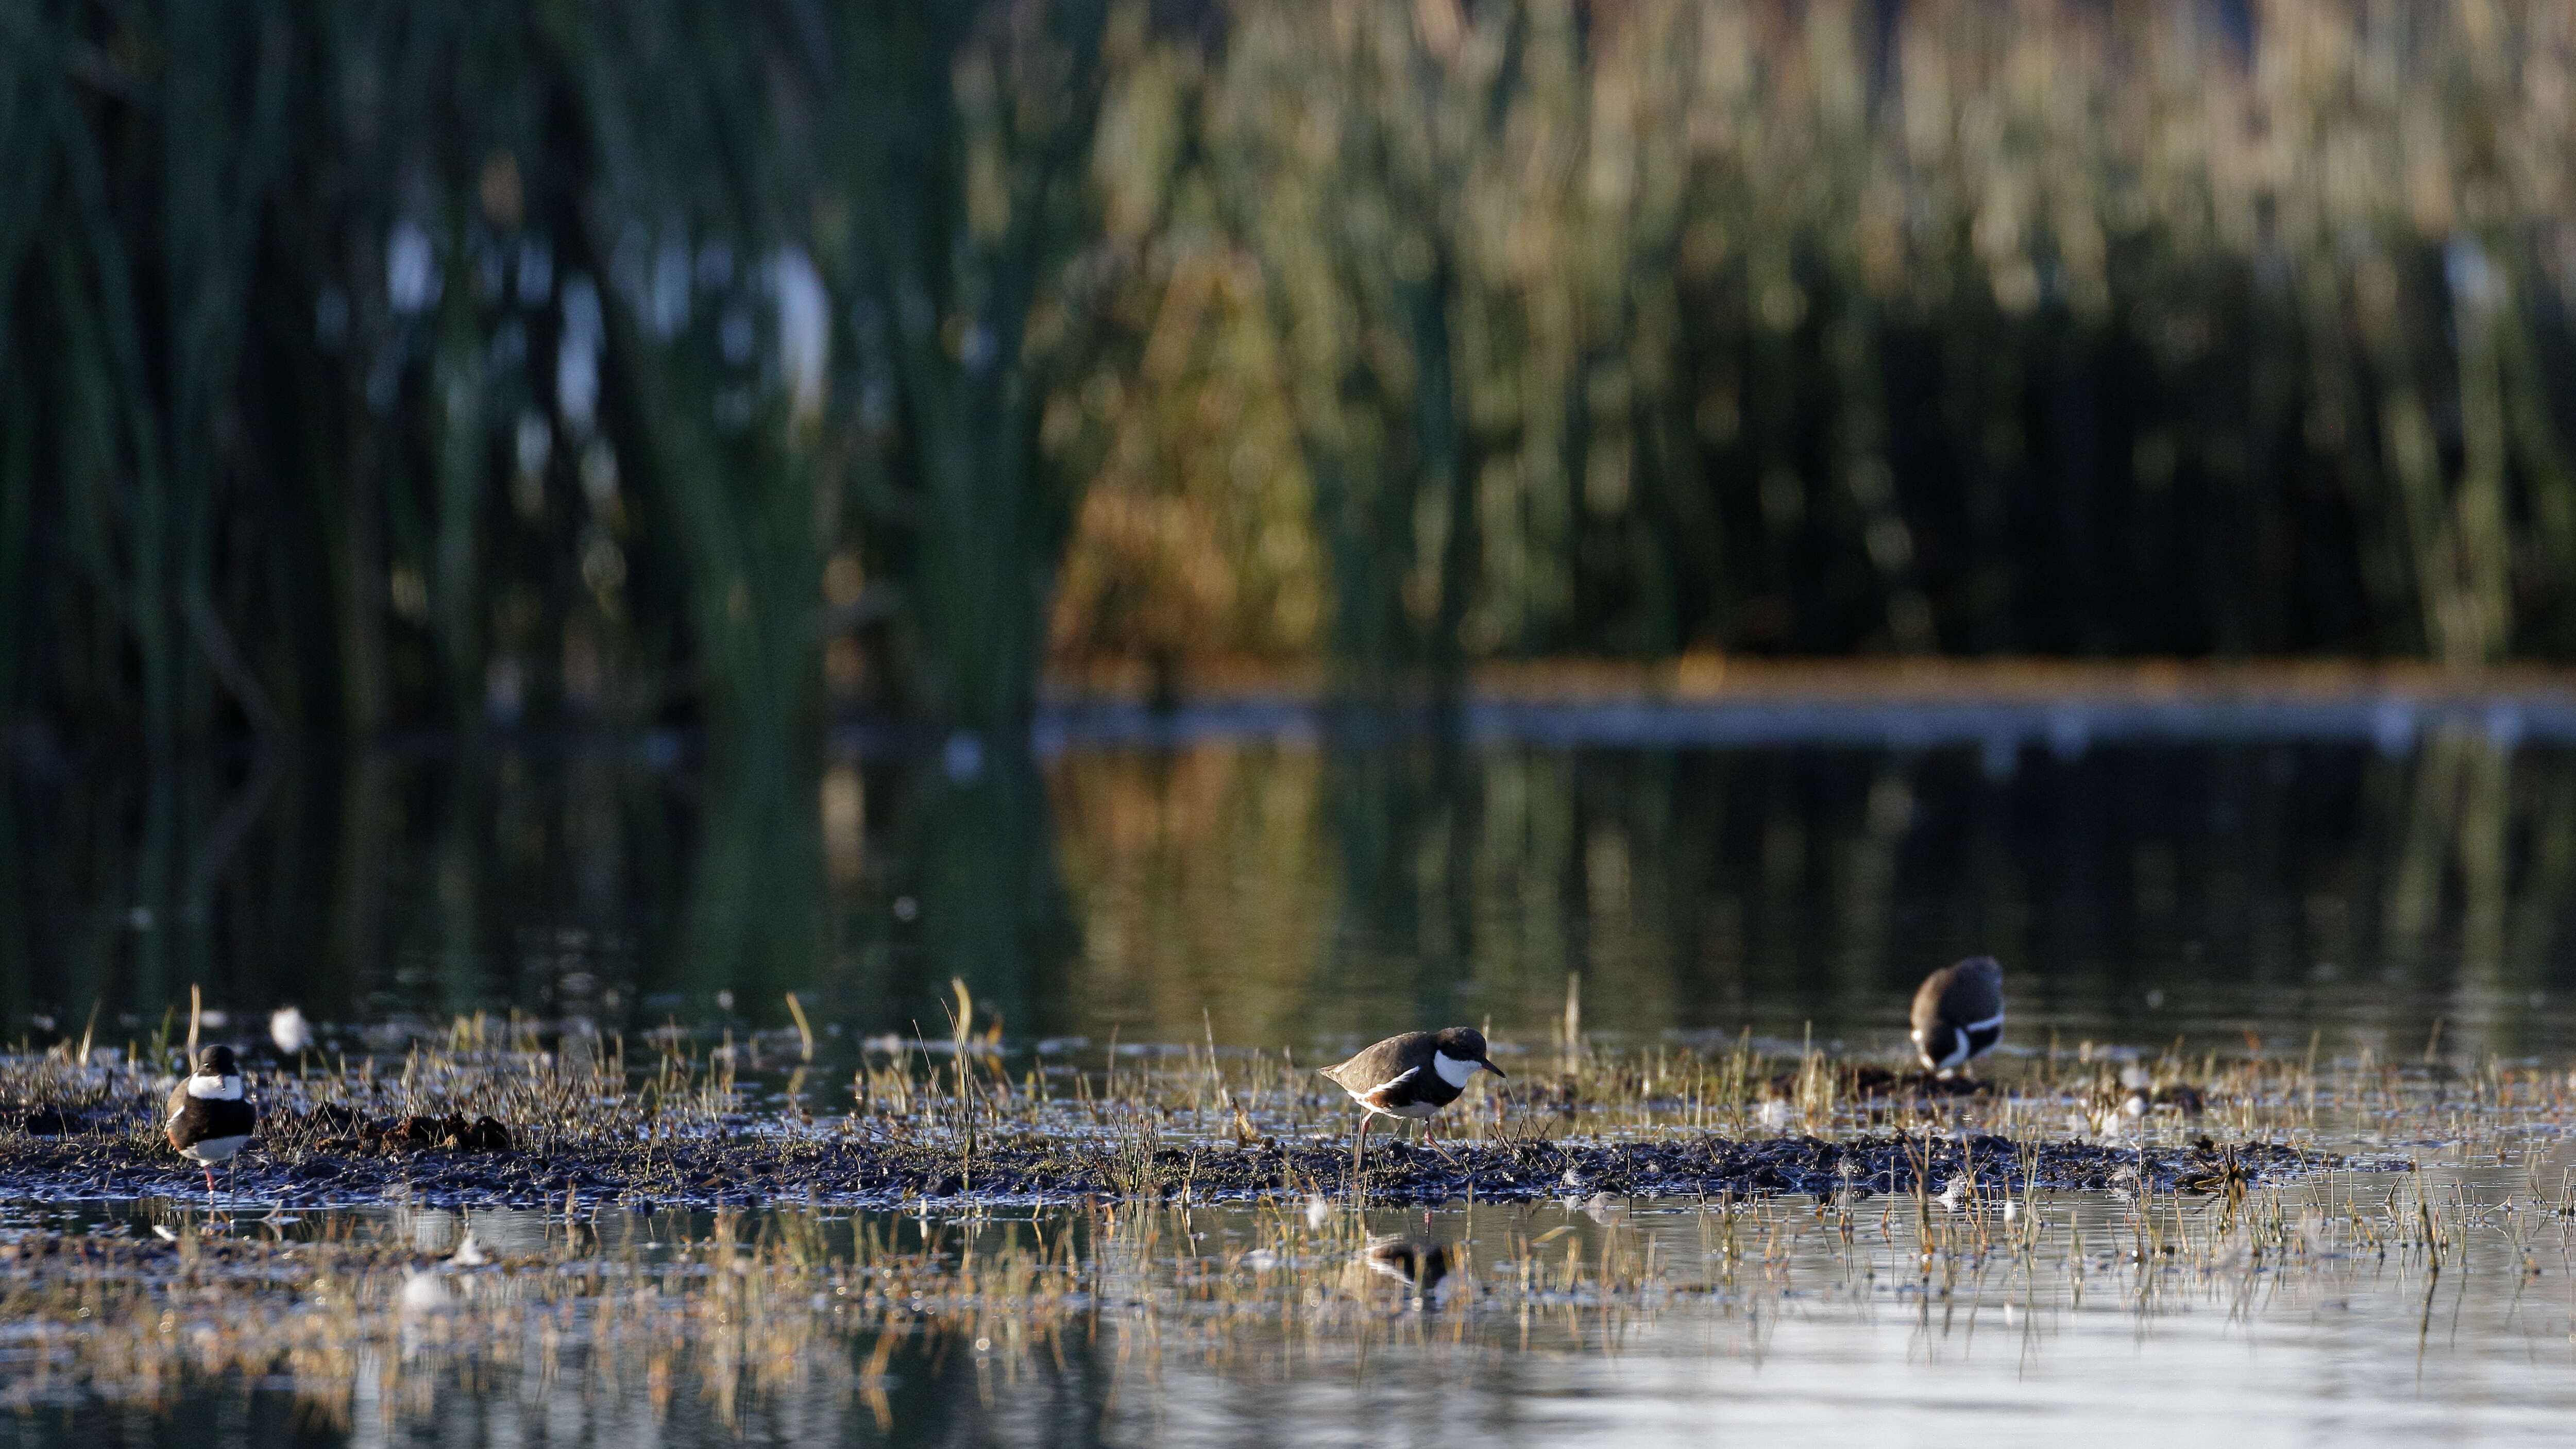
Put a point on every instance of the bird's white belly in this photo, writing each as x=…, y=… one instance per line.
x=214, y=1149
x=1413, y=1111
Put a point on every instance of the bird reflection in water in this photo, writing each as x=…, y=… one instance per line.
x=1417, y=1262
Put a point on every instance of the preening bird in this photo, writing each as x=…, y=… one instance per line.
x=1959, y=1013
x=208, y=1120
x=1411, y=1076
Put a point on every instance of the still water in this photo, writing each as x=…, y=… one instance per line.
x=1276, y=883
x=1636, y=1323
x=1272, y=880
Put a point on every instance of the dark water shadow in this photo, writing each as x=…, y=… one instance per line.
x=1285, y=879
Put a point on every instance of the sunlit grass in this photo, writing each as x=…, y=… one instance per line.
x=1192, y=1122
x=2405, y=1172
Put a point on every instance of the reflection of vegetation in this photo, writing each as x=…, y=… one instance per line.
x=1187, y=872
x=1298, y=895
x=975, y=847
x=1298, y=898
x=1116, y=1323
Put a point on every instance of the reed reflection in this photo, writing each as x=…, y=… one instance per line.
x=1308, y=892
x=2215, y=889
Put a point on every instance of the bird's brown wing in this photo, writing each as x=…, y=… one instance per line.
x=1976, y=991
x=1375, y=1064
x=1970, y=991
x=1388, y=1095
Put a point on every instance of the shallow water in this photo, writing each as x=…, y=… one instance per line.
x=2329, y=884
x=1627, y=1323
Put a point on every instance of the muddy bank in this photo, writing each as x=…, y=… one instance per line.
x=752, y=1168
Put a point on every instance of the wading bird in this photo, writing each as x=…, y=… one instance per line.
x=209, y=1121
x=1959, y=1013
x=1411, y=1076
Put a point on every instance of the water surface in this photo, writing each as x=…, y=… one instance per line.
x=1633, y=1322
x=2329, y=885
x=1275, y=882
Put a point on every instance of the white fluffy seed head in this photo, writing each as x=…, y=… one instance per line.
x=288, y=1028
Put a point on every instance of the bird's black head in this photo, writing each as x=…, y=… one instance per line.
x=217, y=1061
x=1464, y=1044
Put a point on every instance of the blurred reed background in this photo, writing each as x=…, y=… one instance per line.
x=538, y=386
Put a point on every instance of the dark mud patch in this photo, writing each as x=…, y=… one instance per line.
x=1877, y=1085
x=44, y=1121
x=1868, y=1081
x=825, y=1167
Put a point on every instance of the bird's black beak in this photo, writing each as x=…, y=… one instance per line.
x=1488, y=1065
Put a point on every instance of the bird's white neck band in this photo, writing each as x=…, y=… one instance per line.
x=219, y=1089
x=1452, y=1070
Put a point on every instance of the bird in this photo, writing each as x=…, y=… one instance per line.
x=1410, y=1076
x=1959, y=1014
x=209, y=1121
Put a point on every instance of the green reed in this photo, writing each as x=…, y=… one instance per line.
x=393, y=368
x=1822, y=327
x=1426, y=334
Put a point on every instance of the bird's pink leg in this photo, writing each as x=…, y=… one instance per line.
x=1431, y=1139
